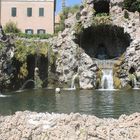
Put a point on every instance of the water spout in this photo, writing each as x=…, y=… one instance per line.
x=38, y=81
x=135, y=83
x=24, y=85
x=107, y=79
x=3, y=96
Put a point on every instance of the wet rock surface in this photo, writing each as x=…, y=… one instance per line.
x=43, y=126
x=129, y=66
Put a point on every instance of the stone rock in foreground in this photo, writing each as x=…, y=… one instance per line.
x=43, y=126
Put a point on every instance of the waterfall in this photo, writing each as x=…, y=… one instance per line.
x=107, y=79
x=73, y=81
x=135, y=84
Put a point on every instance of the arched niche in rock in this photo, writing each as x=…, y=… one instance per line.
x=104, y=41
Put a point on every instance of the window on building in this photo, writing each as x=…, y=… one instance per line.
x=29, y=31
x=29, y=12
x=41, y=31
x=13, y=11
x=41, y=12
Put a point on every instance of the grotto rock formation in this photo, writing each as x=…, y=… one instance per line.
x=72, y=58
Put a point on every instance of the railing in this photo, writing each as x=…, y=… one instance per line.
x=105, y=64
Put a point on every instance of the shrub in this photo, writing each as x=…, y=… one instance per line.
x=29, y=36
x=11, y=27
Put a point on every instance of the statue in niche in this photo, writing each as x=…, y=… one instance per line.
x=102, y=52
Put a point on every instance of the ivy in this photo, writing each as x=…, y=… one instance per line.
x=25, y=48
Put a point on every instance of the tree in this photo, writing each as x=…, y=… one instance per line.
x=11, y=27
x=63, y=4
x=64, y=15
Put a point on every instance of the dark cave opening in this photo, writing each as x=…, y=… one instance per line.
x=41, y=62
x=101, y=6
x=30, y=69
x=104, y=41
x=132, y=70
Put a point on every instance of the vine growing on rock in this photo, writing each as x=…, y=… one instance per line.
x=98, y=20
x=25, y=48
x=101, y=19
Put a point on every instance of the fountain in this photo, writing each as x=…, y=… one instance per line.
x=38, y=82
x=135, y=83
x=24, y=85
x=3, y=96
x=107, y=79
x=107, y=71
x=73, y=85
x=73, y=82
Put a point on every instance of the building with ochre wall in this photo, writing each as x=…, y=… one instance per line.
x=31, y=16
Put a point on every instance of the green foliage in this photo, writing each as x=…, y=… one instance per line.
x=64, y=15
x=98, y=20
x=101, y=19
x=2, y=45
x=78, y=27
x=132, y=5
x=11, y=27
x=25, y=48
x=126, y=15
x=29, y=36
x=23, y=71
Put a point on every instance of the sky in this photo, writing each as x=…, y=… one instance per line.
x=68, y=3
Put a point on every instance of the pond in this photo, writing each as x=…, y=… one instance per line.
x=99, y=103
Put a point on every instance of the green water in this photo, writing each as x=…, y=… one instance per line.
x=99, y=103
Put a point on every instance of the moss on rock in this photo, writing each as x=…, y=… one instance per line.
x=117, y=83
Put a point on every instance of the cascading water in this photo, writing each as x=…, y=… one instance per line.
x=135, y=84
x=73, y=81
x=107, y=79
